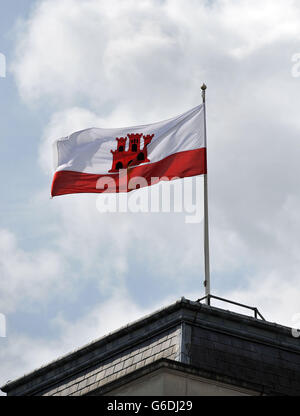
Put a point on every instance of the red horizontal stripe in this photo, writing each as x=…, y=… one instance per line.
x=180, y=165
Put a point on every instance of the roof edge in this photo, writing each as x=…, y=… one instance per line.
x=184, y=368
x=182, y=302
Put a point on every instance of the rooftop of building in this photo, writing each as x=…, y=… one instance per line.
x=170, y=333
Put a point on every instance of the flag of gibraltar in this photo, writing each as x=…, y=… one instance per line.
x=166, y=150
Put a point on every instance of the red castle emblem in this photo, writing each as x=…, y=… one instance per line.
x=134, y=155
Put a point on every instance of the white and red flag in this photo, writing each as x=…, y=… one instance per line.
x=175, y=148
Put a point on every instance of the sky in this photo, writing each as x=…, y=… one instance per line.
x=70, y=274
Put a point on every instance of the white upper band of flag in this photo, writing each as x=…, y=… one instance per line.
x=164, y=150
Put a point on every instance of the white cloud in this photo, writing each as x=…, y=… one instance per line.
x=24, y=354
x=27, y=276
x=116, y=58
x=136, y=62
x=99, y=53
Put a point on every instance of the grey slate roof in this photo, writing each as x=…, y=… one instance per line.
x=219, y=343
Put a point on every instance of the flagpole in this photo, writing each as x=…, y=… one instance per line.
x=206, y=230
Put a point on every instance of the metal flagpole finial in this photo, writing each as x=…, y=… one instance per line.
x=203, y=88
